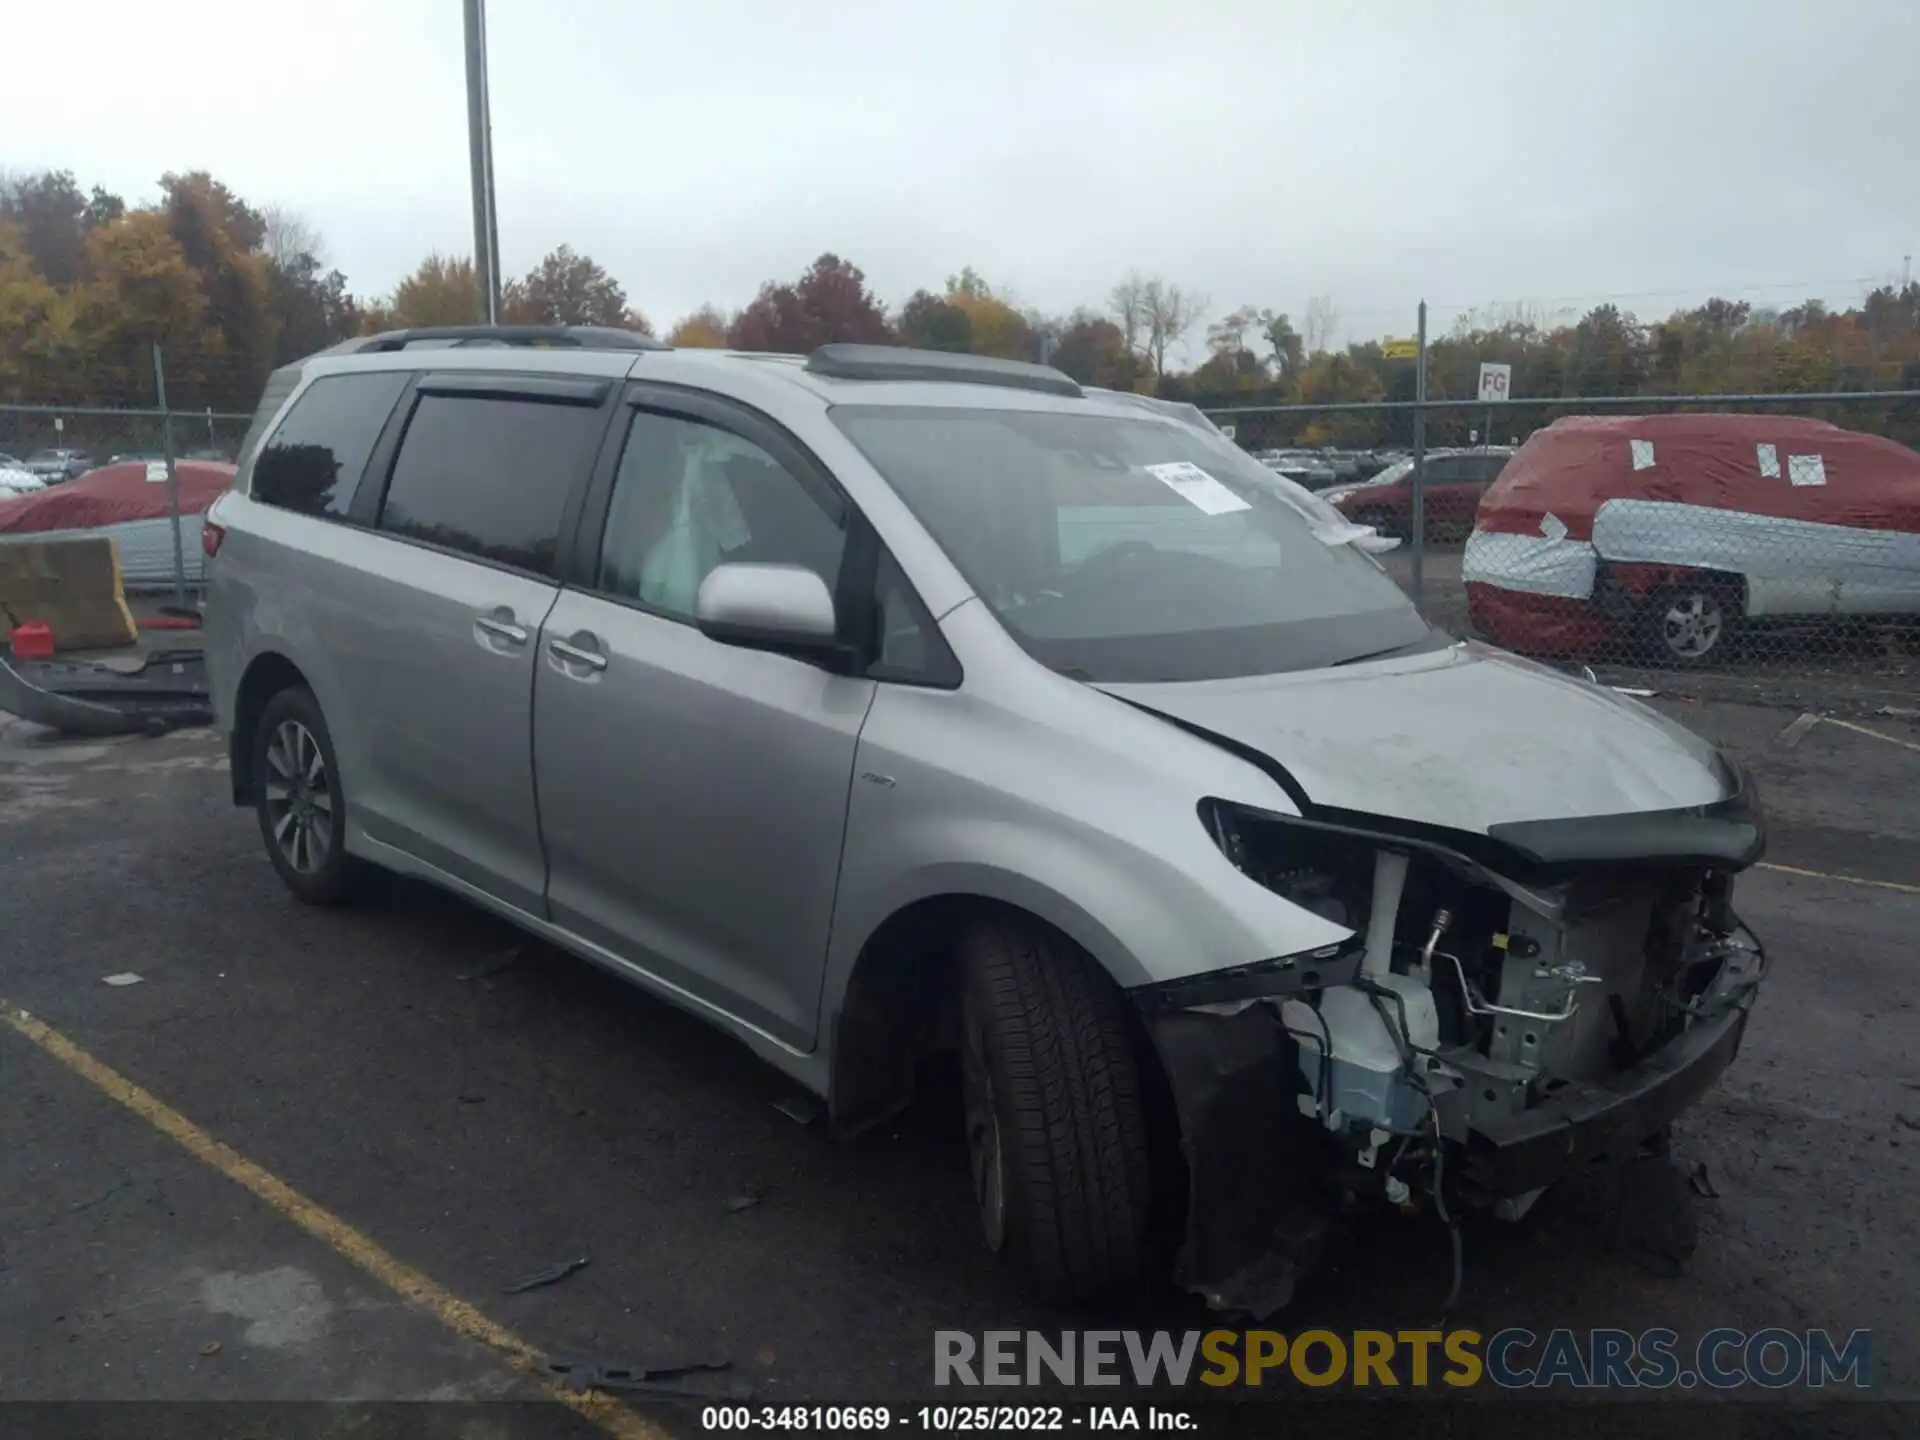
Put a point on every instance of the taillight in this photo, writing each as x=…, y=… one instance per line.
x=210, y=537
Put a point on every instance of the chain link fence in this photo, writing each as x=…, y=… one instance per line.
x=47, y=448
x=1761, y=544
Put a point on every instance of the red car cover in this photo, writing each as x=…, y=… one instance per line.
x=1595, y=515
x=113, y=495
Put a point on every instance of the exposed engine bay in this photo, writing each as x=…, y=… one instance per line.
x=1477, y=1039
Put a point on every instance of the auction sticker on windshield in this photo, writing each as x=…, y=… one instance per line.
x=1197, y=487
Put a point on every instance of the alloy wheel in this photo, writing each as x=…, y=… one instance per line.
x=299, y=797
x=1693, y=624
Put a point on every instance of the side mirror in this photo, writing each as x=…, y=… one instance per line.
x=767, y=607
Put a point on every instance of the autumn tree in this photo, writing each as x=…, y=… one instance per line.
x=221, y=237
x=50, y=213
x=1609, y=354
x=566, y=288
x=932, y=322
x=1093, y=350
x=829, y=303
x=1285, y=345
x=35, y=325
x=139, y=291
x=441, y=291
x=1234, y=343
x=311, y=310
x=704, y=329
x=994, y=325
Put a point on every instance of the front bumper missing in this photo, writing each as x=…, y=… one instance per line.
x=1257, y=1215
x=1595, y=1123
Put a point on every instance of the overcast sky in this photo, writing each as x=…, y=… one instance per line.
x=1256, y=151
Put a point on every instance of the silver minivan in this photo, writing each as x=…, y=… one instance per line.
x=880, y=704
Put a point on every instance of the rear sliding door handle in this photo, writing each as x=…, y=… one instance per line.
x=574, y=655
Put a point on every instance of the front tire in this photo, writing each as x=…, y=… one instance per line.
x=297, y=799
x=1057, y=1135
x=1693, y=624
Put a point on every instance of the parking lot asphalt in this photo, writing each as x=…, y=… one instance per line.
x=481, y=1109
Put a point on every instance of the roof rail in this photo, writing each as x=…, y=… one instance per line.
x=892, y=362
x=553, y=337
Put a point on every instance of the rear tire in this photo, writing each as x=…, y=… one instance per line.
x=298, y=802
x=1057, y=1135
x=1381, y=520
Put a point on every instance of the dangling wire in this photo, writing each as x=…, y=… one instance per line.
x=1440, y=1206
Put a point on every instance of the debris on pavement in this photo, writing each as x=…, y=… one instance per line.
x=801, y=1109
x=647, y=1380
x=1796, y=730
x=125, y=977
x=548, y=1277
x=114, y=1189
x=1701, y=1181
x=746, y=1200
x=212, y=1347
x=1912, y=1122
x=502, y=960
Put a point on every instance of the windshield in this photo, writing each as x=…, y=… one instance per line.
x=1120, y=549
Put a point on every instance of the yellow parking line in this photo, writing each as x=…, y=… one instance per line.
x=1864, y=730
x=1843, y=879
x=338, y=1236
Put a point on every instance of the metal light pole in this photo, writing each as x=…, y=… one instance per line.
x=486, y=225
x=1419, y=538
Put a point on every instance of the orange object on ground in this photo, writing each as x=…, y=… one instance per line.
x=33, y=641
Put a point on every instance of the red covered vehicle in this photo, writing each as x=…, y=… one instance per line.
x=127, y=502
x=1676, y=530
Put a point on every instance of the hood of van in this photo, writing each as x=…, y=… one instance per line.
x=1468, y=738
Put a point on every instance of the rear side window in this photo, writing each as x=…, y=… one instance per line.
x=280, y=384
x=488, y=476
x=313, y=463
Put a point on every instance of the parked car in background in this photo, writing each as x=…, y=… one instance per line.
x=1663, y=536
x=54, y=466
x=883, y=702
x=1303, y=467
x=16, y=479
x=1456, y=479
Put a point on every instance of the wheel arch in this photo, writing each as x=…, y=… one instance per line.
x=899, y=1003
x=267, y=674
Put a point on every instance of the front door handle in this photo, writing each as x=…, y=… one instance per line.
x=502, y=629
x=574, y=655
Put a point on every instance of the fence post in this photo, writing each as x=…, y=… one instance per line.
x=173, y=478
x=1419, y=539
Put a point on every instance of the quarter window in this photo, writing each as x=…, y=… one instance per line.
x=488, y=476
x=314, y=461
